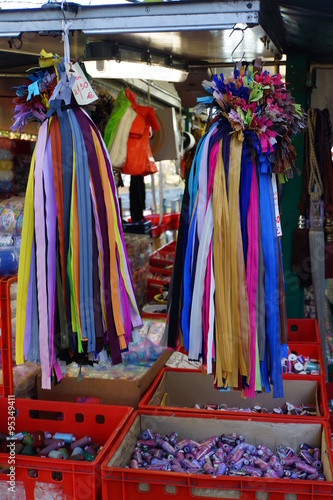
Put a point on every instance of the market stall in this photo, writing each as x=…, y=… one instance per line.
x=95, y=303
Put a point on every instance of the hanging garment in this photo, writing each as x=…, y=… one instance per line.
x=139, y=159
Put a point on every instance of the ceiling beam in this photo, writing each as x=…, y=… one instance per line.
x=131, y=18
x=271, y=21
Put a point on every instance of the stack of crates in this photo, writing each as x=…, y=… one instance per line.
x=38, y=477
x=176, y=403
x=7, y=317
x=160, y=269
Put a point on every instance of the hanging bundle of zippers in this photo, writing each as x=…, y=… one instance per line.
x=227, y=303
x=75, y=289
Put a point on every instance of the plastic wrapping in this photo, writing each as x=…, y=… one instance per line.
x=9, y=259
x=137, y=360
x=11, y=215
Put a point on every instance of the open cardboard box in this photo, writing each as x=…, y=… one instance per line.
x=184, y=389
x=124, y=392
x=116, y=479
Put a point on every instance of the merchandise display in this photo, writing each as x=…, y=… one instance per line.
x=181, y=354
x=304, y=396
x=228, y=278
x=297, y=363
x=141, y=355
x=286, y=441
x=74, y=252
x=24, y=380
x=287, y=409
x=42, y=425
x=6, y=172
x=11, y=215
x=225, y=455
x=63, y=446
x=138, y=247
x=127, y=135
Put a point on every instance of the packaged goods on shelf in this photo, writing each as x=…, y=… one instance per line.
x=138, y=247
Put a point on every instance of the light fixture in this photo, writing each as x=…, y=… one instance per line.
x=140, y=70
x=113, y=60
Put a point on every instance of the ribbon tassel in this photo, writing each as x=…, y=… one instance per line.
x=232, y=312
x=74, y=278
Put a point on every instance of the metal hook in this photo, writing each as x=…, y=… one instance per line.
x=63, y=10
x=238, y=44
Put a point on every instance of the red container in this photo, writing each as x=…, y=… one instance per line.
x=160, y=272
x=303, y=330
x=123, y=483
x=177, y=384
x=169, y=221
x=157, y=230
x=154, y=287
x=7, y=387
x=169, y=248
x=162, y=260
x=64, y=479
x=312, y=350
x=329, y=392
x=164, y=256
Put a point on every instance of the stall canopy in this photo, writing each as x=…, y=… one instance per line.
x=198, y=34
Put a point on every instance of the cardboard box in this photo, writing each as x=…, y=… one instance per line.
x=130, y=484
x=185, y=388
x=122, y=392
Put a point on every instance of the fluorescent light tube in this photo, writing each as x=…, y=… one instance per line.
x=126, y=69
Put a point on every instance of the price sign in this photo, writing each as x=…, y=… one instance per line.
x=81, y=89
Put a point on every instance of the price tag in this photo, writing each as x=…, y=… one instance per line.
x=276, y=207
x=81, y=89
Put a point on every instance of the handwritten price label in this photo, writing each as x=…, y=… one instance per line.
x=81, y=89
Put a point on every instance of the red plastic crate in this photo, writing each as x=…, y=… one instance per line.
x=177, y=383
x=329, y=393
x=154, y=287
x=157, y=230
x=153, y=316
x=7, y=387
x=159, y=271
x=66, y=479
x=170, y=222
x=123, y=483
x=162, y=260
x=164, y=256
x=169, y=248
x=303, y=330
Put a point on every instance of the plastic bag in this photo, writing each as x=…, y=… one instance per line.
x=11, y=215
x=118, y=150
x=120, y=106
